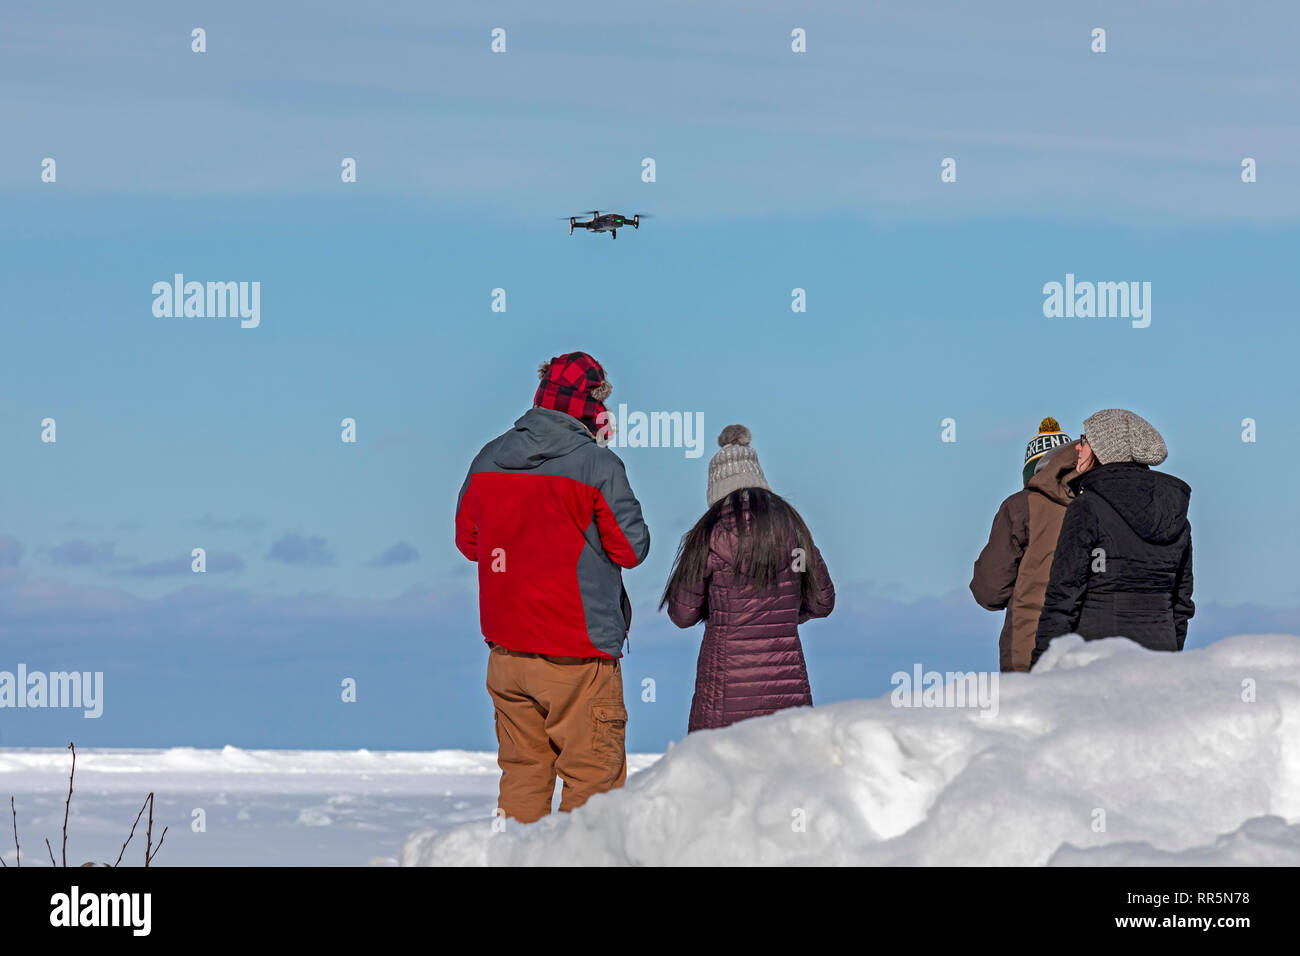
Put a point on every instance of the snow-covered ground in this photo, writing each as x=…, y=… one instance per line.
x=1107, y=755
x=259, y=807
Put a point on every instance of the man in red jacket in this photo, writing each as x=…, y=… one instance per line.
x=548, y=514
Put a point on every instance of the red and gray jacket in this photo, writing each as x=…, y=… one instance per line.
x=551, y=520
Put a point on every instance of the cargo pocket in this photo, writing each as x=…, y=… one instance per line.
x=609, y=720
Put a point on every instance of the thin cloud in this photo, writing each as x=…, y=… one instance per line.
x=401, y=553
x=11, y=551
x=79, y=553
x=304, y=550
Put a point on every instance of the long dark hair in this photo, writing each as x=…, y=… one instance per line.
x=767, y=528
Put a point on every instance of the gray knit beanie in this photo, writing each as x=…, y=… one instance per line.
x=735, y=466
x=1119, y=435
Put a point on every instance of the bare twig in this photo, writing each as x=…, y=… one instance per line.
x=149, y=859
x=68, y=806
x=133, y=826
x=148, y=837
x=150, y=851
x=14, y=811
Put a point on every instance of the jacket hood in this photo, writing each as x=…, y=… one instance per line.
x=539, y=435
x=1053, y=479
x=1151, y=503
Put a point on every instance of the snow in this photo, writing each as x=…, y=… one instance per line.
x=259, y=807
x=1107, y=755
x=1260, y=841
x=187, y=763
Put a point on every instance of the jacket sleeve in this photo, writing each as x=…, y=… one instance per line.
x=689, y=604
x=623, y=531
x=466, y=529
x=1183, y=606
x=823, y=600
x=999, y=563
x=1068, y=584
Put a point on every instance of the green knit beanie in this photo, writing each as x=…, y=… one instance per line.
x=1048, y=438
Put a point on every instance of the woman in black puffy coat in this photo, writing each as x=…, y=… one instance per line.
x=1123, y=563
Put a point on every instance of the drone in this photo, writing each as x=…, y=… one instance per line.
x=610, y=222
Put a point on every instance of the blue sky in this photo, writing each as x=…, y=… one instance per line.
x=774, y=171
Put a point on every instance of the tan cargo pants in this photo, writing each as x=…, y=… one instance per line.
x=562, y=714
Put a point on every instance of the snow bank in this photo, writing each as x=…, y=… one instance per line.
x=1108, y=754
x=1261, y=841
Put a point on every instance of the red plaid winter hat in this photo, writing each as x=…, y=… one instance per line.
x=575, y=384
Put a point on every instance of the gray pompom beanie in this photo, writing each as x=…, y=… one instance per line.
x=735, y=466
x=1119, y=435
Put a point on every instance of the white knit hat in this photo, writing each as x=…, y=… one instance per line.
x=735, y=466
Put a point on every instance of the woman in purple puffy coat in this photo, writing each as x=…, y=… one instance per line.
x=750, y=571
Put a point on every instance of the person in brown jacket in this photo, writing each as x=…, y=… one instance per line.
x=1013, y=569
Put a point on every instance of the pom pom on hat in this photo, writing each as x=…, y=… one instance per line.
x=734, y=435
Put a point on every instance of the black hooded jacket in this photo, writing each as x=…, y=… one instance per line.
x=1123, y=563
